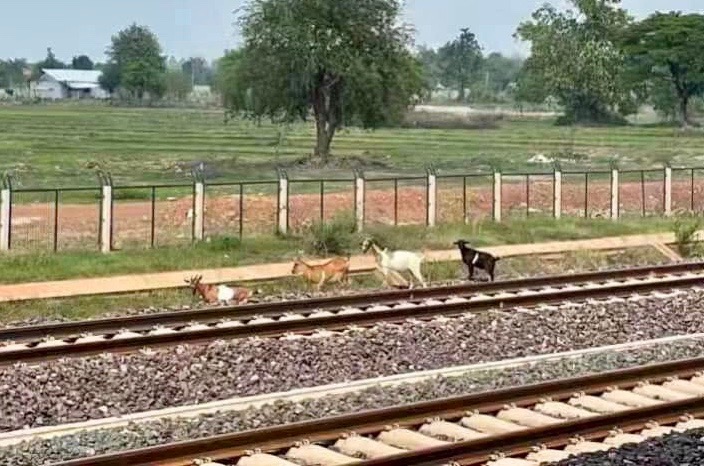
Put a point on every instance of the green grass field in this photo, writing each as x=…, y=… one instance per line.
x=60, y=146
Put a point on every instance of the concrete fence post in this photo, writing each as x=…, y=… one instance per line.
x=614, y=193
x=667, y=202
x=199, y=210
x=557, y=192
x=282, y=204
x=106, y=210
x=359, y=187
x=432, y=197
x=5, y=213
x=496, y=198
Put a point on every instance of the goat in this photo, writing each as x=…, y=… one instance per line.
x=334, y=270
x=392, y=264
x=213, y=294
x=472, y=258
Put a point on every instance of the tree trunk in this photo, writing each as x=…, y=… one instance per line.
x=461, y=95
x=323, y=141
x=684, y=111
x=327, y=107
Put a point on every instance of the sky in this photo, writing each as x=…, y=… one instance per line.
x=190, y=28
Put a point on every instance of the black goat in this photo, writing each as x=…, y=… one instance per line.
x=479, y=259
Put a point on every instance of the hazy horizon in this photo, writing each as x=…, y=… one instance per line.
x=185, y=29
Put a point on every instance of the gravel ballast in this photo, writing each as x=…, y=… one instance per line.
x=95, y=387
x=41, y=452
x=679, y=449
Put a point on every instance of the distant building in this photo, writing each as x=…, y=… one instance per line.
x=69, y=84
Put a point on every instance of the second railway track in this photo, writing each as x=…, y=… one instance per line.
x=36, y=343
x=521, y=426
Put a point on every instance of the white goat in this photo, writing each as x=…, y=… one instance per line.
x=396, y=261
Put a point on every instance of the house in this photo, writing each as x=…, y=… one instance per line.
x=69, y=84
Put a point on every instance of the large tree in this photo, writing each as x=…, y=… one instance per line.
x=460, y=61
x=575, y=56
x=665, y=52
x=135, y=58
x=347, y=62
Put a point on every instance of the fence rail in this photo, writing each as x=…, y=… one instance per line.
x=108, y=217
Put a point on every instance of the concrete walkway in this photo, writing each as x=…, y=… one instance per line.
x=154, y=281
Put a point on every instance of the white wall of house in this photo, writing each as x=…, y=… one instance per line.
x=49, y=88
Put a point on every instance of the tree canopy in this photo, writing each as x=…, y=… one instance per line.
x=135, y=63
x=575, y=57
x=50, y=62
x=347, y=62
x=11, y=72
x=460, y=61
x=665, y=53
x=82, y=62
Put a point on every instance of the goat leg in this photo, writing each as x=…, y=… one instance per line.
x=321, y=282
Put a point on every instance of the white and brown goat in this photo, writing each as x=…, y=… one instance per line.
x=335, y=270
x=218, y=294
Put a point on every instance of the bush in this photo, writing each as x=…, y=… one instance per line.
x=432, y=120
x=334, y=237
x=685, y=235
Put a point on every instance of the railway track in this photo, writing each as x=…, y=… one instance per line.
x=38, y=343
x=522, y=426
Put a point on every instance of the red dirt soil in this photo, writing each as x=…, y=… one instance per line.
x=33, y=224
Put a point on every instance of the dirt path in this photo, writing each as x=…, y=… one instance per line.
x=144, y=282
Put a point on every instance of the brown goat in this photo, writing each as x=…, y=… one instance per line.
x=213, y=294
x=334, y=270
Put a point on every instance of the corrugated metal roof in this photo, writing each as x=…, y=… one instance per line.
x=81, y=76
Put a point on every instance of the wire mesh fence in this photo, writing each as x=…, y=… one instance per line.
x=166, y=215
x=134, y=217
x=315, y=201
x=241, y=209
x=53, y=219
x=396, y=201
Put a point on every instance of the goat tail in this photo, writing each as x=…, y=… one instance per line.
x=425, y=254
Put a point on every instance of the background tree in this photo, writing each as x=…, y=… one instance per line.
x=575, y=56
x=665, y=53
x=110, y=78
x=135, y=54
x=530, y=87
x=460, y=60
x=347, y=62
x=177, y=84
x=82, y=62
x=198, y=70
x=11, y=72
x=499, y=71
x=428, y=58
x=50, y=62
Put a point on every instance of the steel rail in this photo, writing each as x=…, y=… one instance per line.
x=479, y=452
x=251, y=311
x=342, y=321
x=277, y=438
